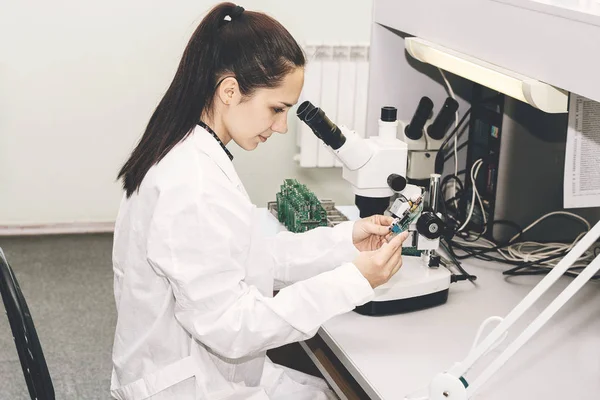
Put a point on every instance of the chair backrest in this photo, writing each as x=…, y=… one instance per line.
x=26, y=339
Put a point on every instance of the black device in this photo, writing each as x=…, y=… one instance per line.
x=485, y=127
x=522, y=174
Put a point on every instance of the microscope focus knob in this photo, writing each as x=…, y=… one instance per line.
x=430, y=225
x=396, y=182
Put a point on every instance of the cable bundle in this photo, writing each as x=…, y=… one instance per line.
x=465, y=210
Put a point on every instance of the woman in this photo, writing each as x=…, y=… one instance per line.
x=193, y=276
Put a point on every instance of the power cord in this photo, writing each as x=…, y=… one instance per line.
x=527, y=257
x=570, y=214
x=451, y=92
x=464, y=275
x=474, y=171
x=539, y=259
x=462, y=146
x=439, y=158
x=524, y=255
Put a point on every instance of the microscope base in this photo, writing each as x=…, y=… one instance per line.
x=414, y=287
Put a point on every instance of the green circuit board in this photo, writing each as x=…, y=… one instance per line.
x=411, y=251
x=299, y=209
x=401, y=225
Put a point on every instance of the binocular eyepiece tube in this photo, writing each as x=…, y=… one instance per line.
x=322, y=126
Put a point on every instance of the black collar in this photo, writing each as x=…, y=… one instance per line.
x=209, y=130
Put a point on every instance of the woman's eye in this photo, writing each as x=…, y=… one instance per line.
x=278, y=110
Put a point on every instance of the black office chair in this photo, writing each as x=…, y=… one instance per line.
x=26, y=339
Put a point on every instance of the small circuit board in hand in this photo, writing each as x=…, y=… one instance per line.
x=408, y=213
x=298, y=208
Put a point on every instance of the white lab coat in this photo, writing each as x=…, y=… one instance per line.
x=194, y=279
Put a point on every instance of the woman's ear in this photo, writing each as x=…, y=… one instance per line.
x=229, y=91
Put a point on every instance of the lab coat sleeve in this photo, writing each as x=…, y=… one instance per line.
x=189, y=244
x=298, y=256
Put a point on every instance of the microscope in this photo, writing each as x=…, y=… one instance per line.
x=376, y=167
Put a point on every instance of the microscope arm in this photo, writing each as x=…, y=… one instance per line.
x=450, y=386
x=349, y=148
x=355, y=153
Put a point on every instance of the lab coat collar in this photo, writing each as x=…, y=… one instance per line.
x=208, y=145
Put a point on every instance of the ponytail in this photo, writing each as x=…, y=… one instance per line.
x=252, y=46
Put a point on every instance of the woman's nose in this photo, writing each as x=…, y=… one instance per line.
x=280, y=125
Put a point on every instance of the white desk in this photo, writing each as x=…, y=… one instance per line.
x=393, y=356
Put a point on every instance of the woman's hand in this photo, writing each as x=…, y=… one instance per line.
x=380, y=265
x=370, y=233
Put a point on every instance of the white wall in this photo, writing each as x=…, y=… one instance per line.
x=79, y=80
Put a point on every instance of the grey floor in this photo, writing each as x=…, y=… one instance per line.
x=67, y=282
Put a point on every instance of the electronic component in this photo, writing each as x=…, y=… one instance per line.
x=296, y=221
x=405, y=213
x=411, y=251
x=334, y=216
x=511, y=138
x=298, y=209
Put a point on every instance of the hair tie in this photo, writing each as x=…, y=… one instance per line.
x=236, y=12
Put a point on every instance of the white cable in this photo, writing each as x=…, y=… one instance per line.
x=451, y=92
x=476, y=343
x=481, y=206
x=587, y=224
x=476, y=192
x=474, y=170
x=534, y=251
x=455, y=163
x=480, y=331
x=530, y=251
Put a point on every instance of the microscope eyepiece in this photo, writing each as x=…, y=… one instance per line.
x=437, y=130
x=304, y=109
x=389, y=114
x=414, y=130
x=322, y=126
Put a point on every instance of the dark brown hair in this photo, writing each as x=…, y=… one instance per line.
x=251, y=46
